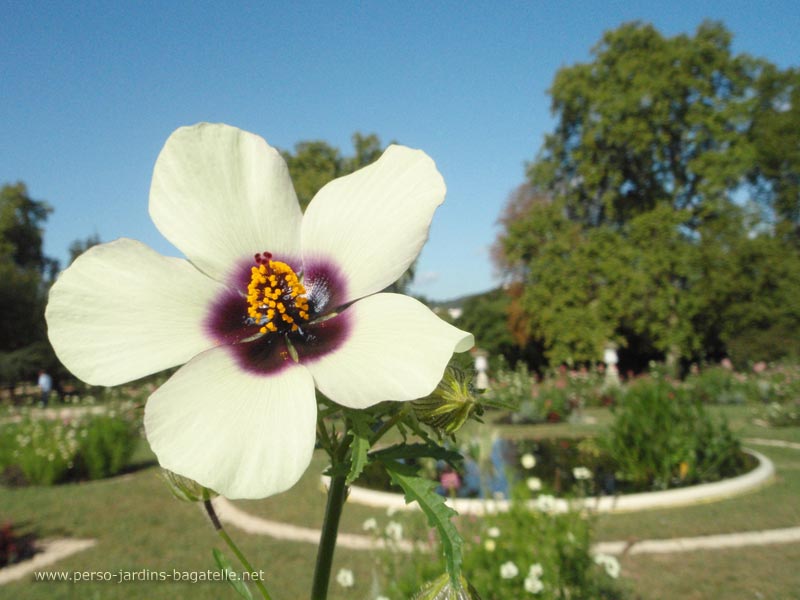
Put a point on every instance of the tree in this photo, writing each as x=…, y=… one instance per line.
x=21, y=220
x=651, y=120
x=632, y=224
x=775, y=134
x=78, y=247
x=25, y=274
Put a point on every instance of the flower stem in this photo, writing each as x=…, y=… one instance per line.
x=337, y=494
x=387, y=426
x=212, y=514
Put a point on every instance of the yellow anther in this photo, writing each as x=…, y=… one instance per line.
x=274, y=289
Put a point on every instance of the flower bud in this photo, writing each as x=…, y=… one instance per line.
x=187, y=489
x=449, y=406
x=443, y=589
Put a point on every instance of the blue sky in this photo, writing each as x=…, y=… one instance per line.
x=89, y=92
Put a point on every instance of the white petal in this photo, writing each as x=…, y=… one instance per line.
x=122, y=311
x=221, y=194
x=396, y=349
x=373, y=223
x=243, y=435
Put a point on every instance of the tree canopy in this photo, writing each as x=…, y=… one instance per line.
x=655, y=209
x=24, y=274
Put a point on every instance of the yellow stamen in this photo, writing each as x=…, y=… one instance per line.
x=275, y=290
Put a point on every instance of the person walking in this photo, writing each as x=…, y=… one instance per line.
x=45, y=384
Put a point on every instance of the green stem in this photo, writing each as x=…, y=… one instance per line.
x=212, y=514
x=337, y=494
x=387, y=426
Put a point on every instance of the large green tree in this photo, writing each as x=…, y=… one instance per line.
x=25, y=272
x=667, y=175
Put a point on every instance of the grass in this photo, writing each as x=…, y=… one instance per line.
x=139, y=525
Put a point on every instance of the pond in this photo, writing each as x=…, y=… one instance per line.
x=559, y=466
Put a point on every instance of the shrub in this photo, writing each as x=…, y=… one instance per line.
x=529, y=402
x=663, y=437
x=782, y=415
x=718, y=385
x=106, y=448
x=41, y=451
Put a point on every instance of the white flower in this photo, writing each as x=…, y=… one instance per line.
x=533, y=585
x=534, y=484
x=394, y=531
x=493, y=532
x=609, y=563
x=546, y=503
x=508, y=570
x=581, y=473
x=381, y=598
x=370, y=524
x=528, y=460
x=345, y=578
x=536, y=570
x=270, y=303
x=390, y=512
x=489, y=545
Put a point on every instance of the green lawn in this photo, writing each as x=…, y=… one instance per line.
x=139, y=525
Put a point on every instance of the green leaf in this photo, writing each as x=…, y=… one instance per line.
x=358, y=448
x=430, y=450
x=422, y=491
x=232, y=576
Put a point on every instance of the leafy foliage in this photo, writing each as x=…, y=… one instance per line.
x=40, y=451
x=358, y=447
x=422, y=491
x=659, y=214
x=663, y=437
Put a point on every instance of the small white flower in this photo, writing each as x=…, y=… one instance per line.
x=493, y=532
x=581, y=473
x=370, y=525
x=508, y=570
x=345, y=578
x=546, y=503
x=534, y=484
x=390, y=512
x=394, y=531
x=609, y=563
x=536, y=570
x=381, y=598
x=489, y=545
x=528, y=460
x=533, y=585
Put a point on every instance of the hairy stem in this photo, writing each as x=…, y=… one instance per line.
x=212, y=515
x=337, y=494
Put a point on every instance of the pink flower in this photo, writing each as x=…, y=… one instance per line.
x=450, y=481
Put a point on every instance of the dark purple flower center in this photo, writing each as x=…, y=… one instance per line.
x=276, y=320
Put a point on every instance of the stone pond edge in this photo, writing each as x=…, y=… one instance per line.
x=697, y=494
